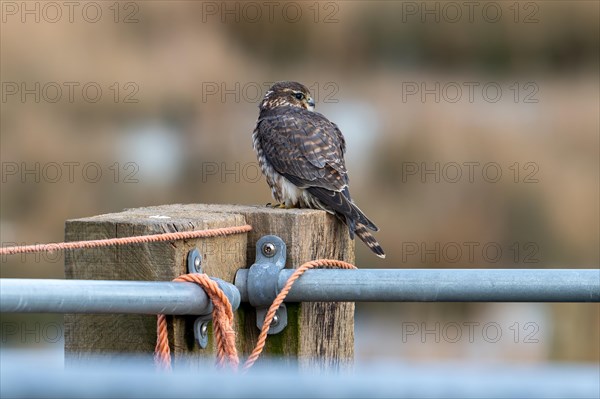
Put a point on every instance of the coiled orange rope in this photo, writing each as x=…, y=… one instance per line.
x=223, y=324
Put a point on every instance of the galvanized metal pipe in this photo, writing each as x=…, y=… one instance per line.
x=363, y=285
x=97, y=296
x=125, y=378
x=439, y=285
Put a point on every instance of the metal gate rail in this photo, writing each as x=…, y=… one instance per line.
x=363, y=285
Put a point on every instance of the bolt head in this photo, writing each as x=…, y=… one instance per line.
x=275, y=321
x=204, y=329
x=269, y=249
x=197, y=263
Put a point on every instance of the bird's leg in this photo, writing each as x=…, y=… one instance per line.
x=279, y=206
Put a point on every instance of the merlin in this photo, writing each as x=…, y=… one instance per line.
x=301, y=154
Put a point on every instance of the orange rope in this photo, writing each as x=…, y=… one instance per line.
x=223, y=318
x=222, y=313
x=184, y=235
x=222, y=326
x=262, y=338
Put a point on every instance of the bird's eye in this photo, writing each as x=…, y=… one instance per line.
x=299, y=96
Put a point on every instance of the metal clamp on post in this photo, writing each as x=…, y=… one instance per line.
x=194, y=265
x=260, y=281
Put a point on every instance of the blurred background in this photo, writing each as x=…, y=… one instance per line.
x=472, y=134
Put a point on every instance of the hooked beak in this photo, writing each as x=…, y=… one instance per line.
x=311, y=103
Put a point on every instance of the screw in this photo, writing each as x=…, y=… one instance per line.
x=275, y=321
x=197, y=263
x=204, y=329
x=268, y=249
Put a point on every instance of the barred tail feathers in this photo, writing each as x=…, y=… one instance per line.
x=368, y=238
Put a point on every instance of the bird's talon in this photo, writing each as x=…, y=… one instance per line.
x=271, y=205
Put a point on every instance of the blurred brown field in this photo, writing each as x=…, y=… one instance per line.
x=473, y=138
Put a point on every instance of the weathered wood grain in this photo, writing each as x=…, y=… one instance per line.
x=319, y=336
x=87, y=335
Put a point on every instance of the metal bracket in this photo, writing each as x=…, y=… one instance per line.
x=194, y=261
x=201, y=330
x=194, y=265
x=261, y=281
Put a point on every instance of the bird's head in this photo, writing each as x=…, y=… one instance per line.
x=288, y=94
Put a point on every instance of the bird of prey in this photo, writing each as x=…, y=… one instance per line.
x=301, y=154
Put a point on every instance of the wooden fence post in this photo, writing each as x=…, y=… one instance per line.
x=319, y=336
